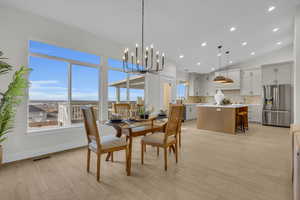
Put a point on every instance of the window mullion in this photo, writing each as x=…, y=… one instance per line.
x=127, y=88
x=70, y=93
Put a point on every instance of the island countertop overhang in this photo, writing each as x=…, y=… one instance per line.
x=223, y=106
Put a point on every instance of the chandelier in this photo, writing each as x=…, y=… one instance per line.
x=220, y=78
x=143, y=60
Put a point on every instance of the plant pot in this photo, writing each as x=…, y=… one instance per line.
x=1, y=155
x=144, y=116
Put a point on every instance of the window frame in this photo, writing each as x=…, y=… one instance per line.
x=69, y=92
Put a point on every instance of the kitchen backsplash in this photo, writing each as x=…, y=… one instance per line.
x=234, y=97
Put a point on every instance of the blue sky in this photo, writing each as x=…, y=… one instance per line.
x=49, y=77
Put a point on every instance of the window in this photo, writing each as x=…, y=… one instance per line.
x=117, y=88
x=84, y=90
x=51, y=50
x=136, y=87
x=48, y=89
x=59, y=86
x=123, y=87
x=181, y=91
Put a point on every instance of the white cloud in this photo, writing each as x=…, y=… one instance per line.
x=41, y=95
x=85, y=96
x=46, y=85
x=43, y=82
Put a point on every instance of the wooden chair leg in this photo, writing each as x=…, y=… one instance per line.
x=170, y=149
x=108, y=156
x=173, y=149
x=157, y=151
x=142, y=152
x=179, y=138
x=126, y=159
x=98, y=166
x=88, y=160
x=176, y=152
x=166, y=158
x=112, y=156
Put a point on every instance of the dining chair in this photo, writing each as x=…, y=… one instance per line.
x=100, y=145
x=122, y=109
x=168, y=137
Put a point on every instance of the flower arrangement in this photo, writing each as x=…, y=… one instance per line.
x=145, y=111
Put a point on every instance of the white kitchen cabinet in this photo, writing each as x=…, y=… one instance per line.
x=255, y=113
x=190, y=111
x=280, y=73
x=251, y=82
x=194, y=84
x=209, y=85
x=202, y=85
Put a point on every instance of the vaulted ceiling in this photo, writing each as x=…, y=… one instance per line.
x=179, y=27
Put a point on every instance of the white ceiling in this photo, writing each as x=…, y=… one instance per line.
x=179, y=26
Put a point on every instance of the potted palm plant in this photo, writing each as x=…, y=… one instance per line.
x=10, y=98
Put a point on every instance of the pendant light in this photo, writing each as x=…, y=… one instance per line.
x=227, y=79
x=220, y=79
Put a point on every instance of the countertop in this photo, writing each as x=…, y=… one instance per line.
x=223, y=106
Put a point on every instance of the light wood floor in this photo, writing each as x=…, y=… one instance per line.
x=212, y=166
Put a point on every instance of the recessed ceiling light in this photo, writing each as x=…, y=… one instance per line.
x=230, y=62
x=279, y=43
x=271, y=8
x=181, y=56
x=204, y=44
x=213, y=69
x=244, y=43
x=198, y=63
x=219, y=54
x=232, y=29
x=252, y=53
x=275, y=29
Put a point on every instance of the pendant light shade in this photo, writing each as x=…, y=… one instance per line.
x=228, y=81
x=220, y=79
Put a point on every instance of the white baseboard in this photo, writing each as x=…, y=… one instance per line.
x=30, y=154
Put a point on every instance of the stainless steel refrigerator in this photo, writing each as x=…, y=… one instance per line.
x=277, y=109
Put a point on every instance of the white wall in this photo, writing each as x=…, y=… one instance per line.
x=297, y=68
x=154, y=87
x=17, y=27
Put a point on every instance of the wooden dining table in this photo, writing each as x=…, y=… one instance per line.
x=136, y=128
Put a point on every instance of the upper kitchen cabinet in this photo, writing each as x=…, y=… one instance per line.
x=208, y=87
x=251, y=82
x=194, y=84
x=280, y=73
x=235, y=75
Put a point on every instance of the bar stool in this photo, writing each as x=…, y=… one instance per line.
x=243, y=118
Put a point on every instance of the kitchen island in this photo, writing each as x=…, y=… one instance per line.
x=220, y=118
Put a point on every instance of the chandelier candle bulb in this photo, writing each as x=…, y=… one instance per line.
x=163, y=60
x=136, y=50
x=123, y=59
x=151, y=52
x=132, y=55
x=146, y=61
